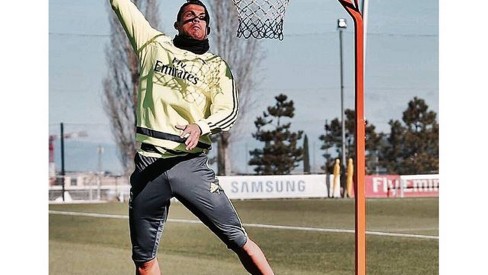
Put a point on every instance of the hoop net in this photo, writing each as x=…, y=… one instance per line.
x=261, y=18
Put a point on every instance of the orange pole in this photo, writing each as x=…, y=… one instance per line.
x=359, y=175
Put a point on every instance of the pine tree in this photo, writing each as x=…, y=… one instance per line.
x=413, y=147
x=280, y=154
x=333, y=139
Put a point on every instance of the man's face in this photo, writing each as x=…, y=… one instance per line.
x=192, y=22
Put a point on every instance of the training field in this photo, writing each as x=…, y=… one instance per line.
x=300, y=236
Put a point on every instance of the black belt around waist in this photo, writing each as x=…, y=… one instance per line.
x=146, y=147
x=166, y=136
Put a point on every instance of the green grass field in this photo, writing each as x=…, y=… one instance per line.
x=402, y=238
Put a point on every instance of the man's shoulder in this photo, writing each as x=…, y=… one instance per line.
x=162, y=37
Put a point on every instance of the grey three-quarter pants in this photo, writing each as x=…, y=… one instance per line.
x=189, y=179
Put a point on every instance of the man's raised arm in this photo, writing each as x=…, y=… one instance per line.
x=137, y=28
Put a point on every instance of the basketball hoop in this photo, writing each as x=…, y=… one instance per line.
x=261, y=18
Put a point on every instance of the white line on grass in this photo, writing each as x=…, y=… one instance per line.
x=283, y=227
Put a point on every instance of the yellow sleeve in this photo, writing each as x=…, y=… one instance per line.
x=225, y=104
x=137, y=28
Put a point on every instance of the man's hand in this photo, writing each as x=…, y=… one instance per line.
x=192, y=134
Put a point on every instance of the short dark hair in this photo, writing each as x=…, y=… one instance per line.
x=193, y=2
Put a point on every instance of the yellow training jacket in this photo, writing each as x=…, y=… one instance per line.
x=176, y=87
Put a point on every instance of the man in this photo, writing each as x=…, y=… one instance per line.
x=185, y=94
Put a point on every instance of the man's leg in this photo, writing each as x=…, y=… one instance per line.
x=253, y=259
x=148, y=268
x=148, y=210
x=194, y=184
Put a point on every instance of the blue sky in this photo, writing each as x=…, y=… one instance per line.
x=401, y=63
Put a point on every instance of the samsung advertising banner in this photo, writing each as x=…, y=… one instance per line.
x=319, y=186
x=266, y=187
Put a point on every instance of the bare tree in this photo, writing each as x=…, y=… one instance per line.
x=244, y=57
x=120, y=84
